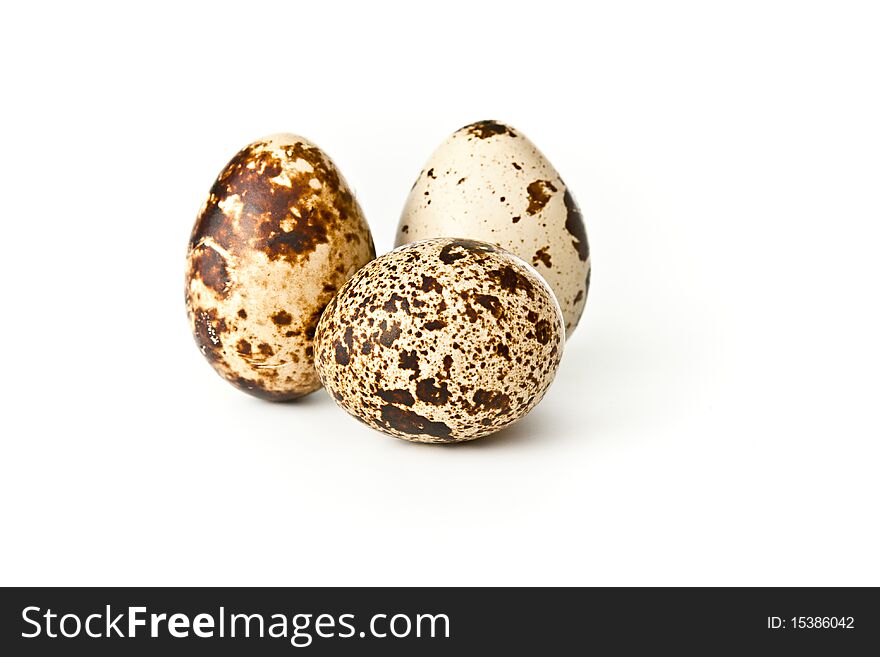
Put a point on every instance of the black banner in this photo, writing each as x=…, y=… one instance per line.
x=436, y=621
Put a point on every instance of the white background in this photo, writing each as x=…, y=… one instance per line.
x=715, y=417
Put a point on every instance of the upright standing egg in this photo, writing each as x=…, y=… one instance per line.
x=278, y=235
x=489, y=182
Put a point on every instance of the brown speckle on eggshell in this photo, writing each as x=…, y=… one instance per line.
x=279, y=233
x=440, y=341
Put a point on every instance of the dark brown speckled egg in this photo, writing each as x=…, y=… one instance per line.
x=441, y=341
x=278, y=235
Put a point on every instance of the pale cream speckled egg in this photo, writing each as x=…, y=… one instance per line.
x=441, y=341
x=489, y=182
x=278, y=235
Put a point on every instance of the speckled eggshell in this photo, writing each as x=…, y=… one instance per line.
x=441, y=341
x=489, y=182
x=278, y=235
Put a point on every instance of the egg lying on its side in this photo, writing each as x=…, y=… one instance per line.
x=278, y=235
x=440, y=341
x=489, y=182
